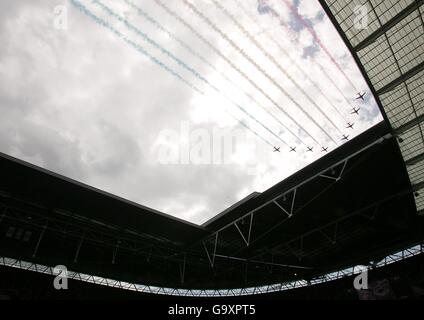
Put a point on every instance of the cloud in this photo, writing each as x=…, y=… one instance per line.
x=84, y=103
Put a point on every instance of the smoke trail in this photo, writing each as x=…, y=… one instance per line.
x=181, y=63
x=335, y=85
x=170, y=34
x=250, y=128
x=103, y=23
x=244, y=75
x=276, y=63
x=189, y=49
x=247, y=57
x=318, y=40
x=292, y=61
x=140, y=49
x=283, y=24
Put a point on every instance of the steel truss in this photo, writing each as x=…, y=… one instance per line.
x=333, y=173
x=84, y=233
x=85, y=230
x=347, y=272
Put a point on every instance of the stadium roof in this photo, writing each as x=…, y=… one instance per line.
x=156, y=140
x=354, y=206
x=390, y=51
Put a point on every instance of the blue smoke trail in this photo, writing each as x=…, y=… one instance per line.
x=153, y=21
x=181, y=63
x=103, y=23
x=257, y=66
x=173, y=14
x=248, y=35
x=140, y=49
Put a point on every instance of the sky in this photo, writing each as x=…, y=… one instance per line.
x=175, y=105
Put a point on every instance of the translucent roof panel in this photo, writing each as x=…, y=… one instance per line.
x=379, y=63
x=391, y=49
x=413, y=143
x=183, y=106
x=398, y=106
x=416, y=172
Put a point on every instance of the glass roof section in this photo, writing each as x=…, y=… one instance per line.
x=391, y=49
x=189, y=106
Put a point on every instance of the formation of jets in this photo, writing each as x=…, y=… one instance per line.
x=345, y=137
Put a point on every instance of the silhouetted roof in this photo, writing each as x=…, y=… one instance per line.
x=390, y=52
x=349, y=207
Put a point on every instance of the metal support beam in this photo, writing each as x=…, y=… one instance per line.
x=338, y=176
x=374, y=214
x=284, y=210
x=149, y=255
x=247, y=241
x=332, y=240
x=415, y=160
x=336, y=229
x=38, y=221
x=292, y=205
x=343, y=161
x=212, y=292
x=328, y=177
x=212, y=260
x=298, y=257
x=250, y=228
x=182, y=269
x=79, y=248
x=263, y=262
x=326, y=236
x=241, y=233
x=115, y=251
x=289, y=213
x=410, y=124
x=407, y=75
x=338, y=220
x=388, y=25
x=418, y=186
x=39, y=239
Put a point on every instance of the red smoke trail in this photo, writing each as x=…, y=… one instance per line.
x=318, y=40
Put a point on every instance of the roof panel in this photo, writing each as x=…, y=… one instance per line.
x=398, y=106
x=379, y=63
x=394, y=53
x=413, y=143
x=407, y=42
x=387, y=9
x=416, y=172
x=345, y=16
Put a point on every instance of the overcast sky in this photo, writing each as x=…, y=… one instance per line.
x=138, y=114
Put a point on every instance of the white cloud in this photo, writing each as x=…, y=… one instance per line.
x=85, y=104
x=308, y=10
